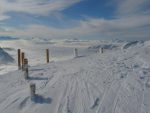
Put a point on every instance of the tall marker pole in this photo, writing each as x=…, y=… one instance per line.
x=19, y=59
x=47, y=55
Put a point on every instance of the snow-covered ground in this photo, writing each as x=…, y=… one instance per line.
x=117, y=81
x=35, y=51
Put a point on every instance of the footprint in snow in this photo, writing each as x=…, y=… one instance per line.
x=95, y=103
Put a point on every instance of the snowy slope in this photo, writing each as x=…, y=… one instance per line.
x=35, y=50
x=7, y=62
x=5, y=57
x=117, y=81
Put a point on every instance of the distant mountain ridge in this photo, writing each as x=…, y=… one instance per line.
x=7, y=38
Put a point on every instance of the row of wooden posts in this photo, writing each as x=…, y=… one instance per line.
x=23, y=65
x=22, y=61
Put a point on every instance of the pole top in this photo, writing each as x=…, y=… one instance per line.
x=32, y=85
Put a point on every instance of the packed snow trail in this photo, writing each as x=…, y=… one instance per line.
x=117, y=81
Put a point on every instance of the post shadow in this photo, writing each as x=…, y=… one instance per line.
x=40, y=99
x=37, y=78
x=37, y=69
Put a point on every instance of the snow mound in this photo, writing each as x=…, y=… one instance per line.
x=131, y=44
x=5, y=57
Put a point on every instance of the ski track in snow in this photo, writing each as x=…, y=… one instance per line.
x=107, y=96
x=96, y=84
x=145, y=107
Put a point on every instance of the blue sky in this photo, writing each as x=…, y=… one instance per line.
x=83, y=19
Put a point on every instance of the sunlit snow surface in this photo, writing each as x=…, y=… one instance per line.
x=117, y=81
x=35, y=50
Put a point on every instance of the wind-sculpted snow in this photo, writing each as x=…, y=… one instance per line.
x=5, y=57
x=131, y=44
x=117, y=81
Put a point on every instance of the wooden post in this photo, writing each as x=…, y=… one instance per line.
x=32, y=90
x=22, y=59
x=76, y=52
x=47, y=55
x=102, y=50
x=25, y=63
x=19, y=59
x=25, y=68
x=26, y=73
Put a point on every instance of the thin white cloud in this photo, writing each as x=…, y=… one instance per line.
x=131, y=7
x=38, y=7
x=3, y=17
x=122, y=27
